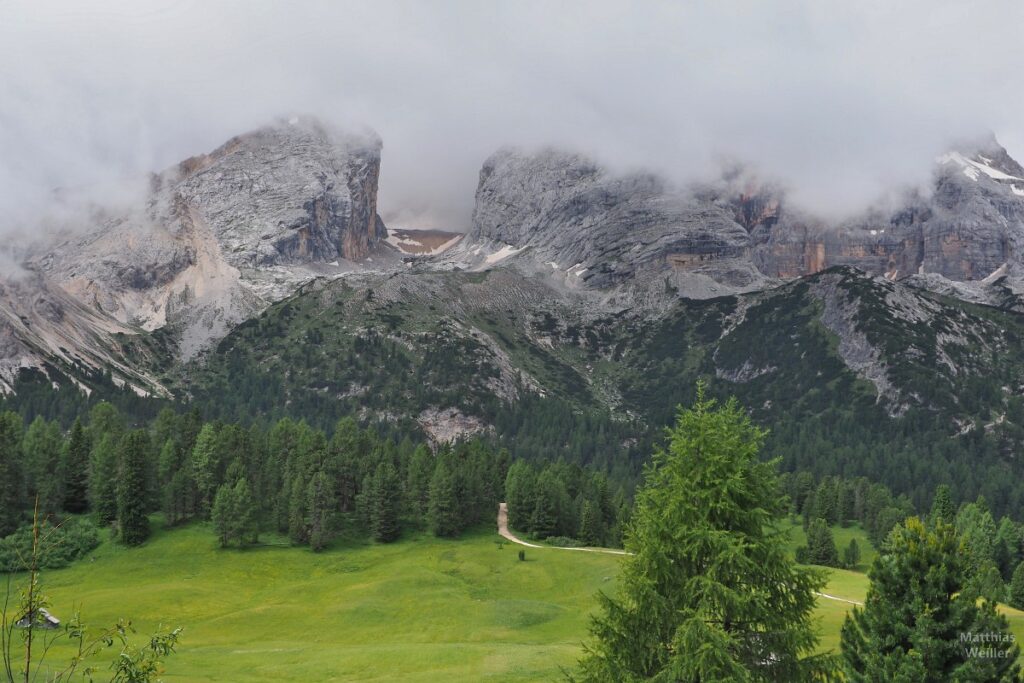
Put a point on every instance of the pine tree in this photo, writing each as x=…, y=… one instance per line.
x=384, y=510
x=298, y=505
x=545, y=517
x=990, y=584
x=103, y=478
x=76, y=470
x=244, y=521
x=1016, y=591
x=821, y=546
x=320, y=508
x=12, y=492
x=1007, y=550
x=206, y=463
x=133, y=525
x=591, y=531
x=222, y=514
x=942, y=506
x=851, y=554
x=233, y=513
x=710, y=593
x=42, y=447
x=421, y=468
x=916, y=611
x=520, y=494
x=444, y=515
x=978, y=532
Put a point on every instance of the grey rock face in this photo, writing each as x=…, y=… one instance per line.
x=219, y=236
x=576, y=221
x=291, y=193
x=563, y=214
x=967, y=228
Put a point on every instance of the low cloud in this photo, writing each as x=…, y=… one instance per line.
x=838, y=101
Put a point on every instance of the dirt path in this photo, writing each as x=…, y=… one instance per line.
x=505, y=533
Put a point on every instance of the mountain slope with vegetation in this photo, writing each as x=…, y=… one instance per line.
x=853, y=374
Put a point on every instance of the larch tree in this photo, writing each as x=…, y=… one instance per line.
x=710, y=593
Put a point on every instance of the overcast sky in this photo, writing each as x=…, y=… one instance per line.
x=838, y=99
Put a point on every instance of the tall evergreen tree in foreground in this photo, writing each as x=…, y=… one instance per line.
x=920, y=622
x=710, y=593
x=132, y=523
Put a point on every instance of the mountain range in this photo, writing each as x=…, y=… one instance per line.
x=259, y=279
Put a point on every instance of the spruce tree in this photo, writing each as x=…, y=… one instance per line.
x=978, y=532
x=916, y=612
x=222, y=514
x=384, y=509
x=244, y=527
x=320, y=508
x=1016, y=591
x=710, y=593
x=42, y=448
x=103, y=478
x=1007, y=551
x=206, y=465
x=443, y=509
x=421, y=467
x=12, y=492
x=544, y=521
x=298, y=506
x=942, y=506
x=821, y=546
x=591, y=526
x=76, y=470
x=520, y=494
x=132, y=523
x=851, y=554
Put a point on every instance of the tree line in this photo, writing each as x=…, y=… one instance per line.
x=563, y=501
x=289, y=479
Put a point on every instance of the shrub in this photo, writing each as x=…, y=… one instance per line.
x=563, y=542
x=62, y=545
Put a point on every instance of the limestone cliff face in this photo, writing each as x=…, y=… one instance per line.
x=564, y=216
x=292, y=193
x=965, y=229
x=219, y=236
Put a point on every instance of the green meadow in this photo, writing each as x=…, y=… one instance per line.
x=422, y=609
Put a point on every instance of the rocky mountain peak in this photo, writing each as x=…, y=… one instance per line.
x=217, y=237
x=293, y=192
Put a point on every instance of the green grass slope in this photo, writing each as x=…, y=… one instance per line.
x=423, y=609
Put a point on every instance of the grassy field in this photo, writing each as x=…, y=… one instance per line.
x=422, y=609
x=842, y=537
